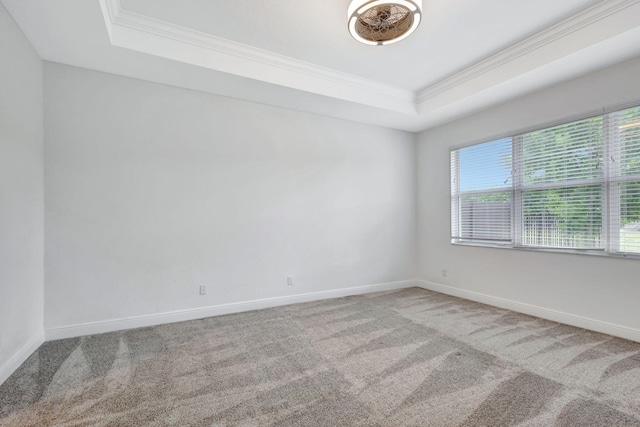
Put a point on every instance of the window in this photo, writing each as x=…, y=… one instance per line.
x=482, y=192
x=570, y=187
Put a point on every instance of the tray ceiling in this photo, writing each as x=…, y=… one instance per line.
x=466, y=55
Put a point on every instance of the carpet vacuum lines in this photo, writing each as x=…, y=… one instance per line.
x=408, y=357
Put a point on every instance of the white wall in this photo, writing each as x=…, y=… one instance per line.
x=21, y=197
x=597, y=288
x=153, y=190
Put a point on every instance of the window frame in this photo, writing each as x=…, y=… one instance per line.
x=610, y=199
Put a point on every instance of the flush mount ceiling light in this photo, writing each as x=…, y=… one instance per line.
x=382, y=22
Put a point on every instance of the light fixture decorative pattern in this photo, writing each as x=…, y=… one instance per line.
x=382, y=22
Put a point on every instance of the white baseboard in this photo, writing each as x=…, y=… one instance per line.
x=544, y=313
x=20, y=356
x=217, y=310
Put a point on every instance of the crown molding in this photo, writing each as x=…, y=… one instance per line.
x=139, y=32
x=546, y=37
x=577, y=45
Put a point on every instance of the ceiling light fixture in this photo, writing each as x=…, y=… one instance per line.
x=382, y=22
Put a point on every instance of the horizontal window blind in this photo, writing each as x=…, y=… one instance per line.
x=624, y=169
x=569, y=217
x=561, y=186
x=481, y=192
x=574, y=187
x=566, y=153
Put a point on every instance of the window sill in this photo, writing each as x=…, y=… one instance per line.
x=550, y=250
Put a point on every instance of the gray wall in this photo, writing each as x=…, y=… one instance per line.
x=152, y=191
x=21, y=197
x=605, y=290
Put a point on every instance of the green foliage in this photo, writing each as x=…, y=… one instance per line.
x=573, y=212
x=630, y=165
x=569, y=152
x=630, y=209
x=489, y=197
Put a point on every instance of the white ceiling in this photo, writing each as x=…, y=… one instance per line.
x=454, y=35
x=465, y=56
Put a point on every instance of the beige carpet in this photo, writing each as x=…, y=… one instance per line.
x=403, y=358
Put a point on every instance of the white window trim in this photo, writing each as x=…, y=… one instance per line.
x=610, y=199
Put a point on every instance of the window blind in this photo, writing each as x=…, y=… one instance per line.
x=560, y=186
x=624, y=169
x=570, y=187
x=481, y=192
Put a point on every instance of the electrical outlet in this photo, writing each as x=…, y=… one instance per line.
x=290, y=280
x=203, y=290
x=444, y=272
